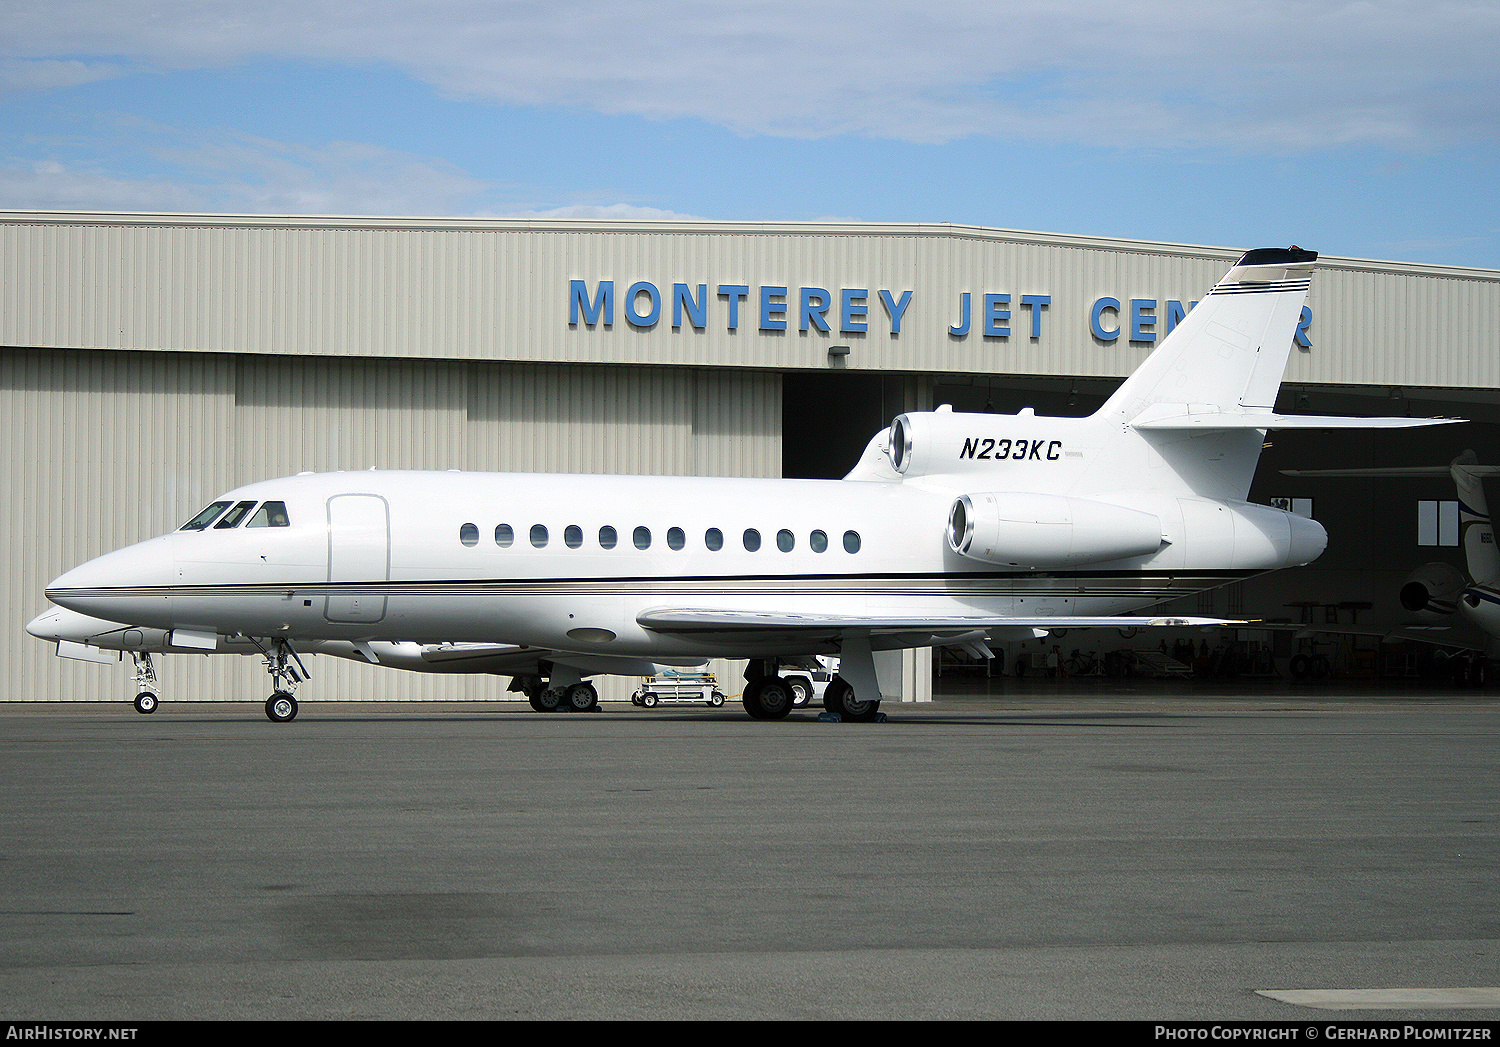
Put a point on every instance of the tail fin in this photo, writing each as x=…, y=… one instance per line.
x=1203, y=400
x=1216, y=376
x=1476, y=532
x=1228, y=354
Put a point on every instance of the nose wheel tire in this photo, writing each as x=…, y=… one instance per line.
x=145, y=702
x=281, y=707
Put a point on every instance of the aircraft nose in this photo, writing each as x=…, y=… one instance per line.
x=127, y=585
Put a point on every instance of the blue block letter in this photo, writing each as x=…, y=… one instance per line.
x=814, y=310
x=895, y=308
x=697, y=308
x=634, y=318
x=578, y=293
x=1098, y=314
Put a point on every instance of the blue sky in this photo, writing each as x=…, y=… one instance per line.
x=1369, y=128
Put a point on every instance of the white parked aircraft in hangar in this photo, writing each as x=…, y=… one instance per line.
x=952, y=529
x=1438, y=590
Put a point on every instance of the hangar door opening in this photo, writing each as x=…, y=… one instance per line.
x=829, y=417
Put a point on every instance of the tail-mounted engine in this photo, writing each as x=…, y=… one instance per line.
x=1433, y=589
x=1022, y=529
x=946, y=442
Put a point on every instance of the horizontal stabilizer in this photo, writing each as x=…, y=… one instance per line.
x=702, y=621
x=1397, y=471
x=1250, y=420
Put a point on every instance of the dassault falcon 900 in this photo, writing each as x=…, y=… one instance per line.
x=953, y=529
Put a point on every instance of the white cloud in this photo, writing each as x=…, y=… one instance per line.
x=1277, y=74
x=234, y=173
x=239, y=173
x=49, y=74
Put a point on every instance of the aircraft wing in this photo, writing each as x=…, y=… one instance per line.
x=495, y=658
x=688, y=621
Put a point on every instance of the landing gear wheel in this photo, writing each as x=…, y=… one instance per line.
x=839, y=698
x=582, y=697
x=145, y=702
x=545, y=700
x=767, y=698
x=802, y=690
x=833, y=697
x=281, y=707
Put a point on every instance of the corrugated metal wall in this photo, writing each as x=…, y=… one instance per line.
x=499, y=290
x=106, y=448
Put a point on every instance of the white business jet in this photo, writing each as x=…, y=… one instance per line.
x=1437, y=590
x=954, y=529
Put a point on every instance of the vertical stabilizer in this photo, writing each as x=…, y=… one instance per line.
x=1189, y=413
x=1476, y=532
x=1229, y=353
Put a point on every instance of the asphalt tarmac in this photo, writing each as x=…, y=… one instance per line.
x=1155, y=851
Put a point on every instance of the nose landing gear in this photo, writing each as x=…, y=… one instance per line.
x=282, y=664
x=146, y=700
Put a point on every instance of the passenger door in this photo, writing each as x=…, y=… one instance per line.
x=359, y=550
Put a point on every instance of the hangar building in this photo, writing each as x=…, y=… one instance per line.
x=151, y=361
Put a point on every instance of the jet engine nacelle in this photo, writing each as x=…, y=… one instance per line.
x=945, y=442
x=1432, y=590
x=1024, y=529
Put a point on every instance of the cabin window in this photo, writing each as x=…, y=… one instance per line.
x=608, y=539
x=676, y=539
x=851, y=541
x=469, y=534
x=752, y=539
x=505, y=534
x=642, y=537
x=272, y=514
x=818, y=542
x=235, y=515
x=539, y=536
x=785, y=540
x=206, y=517
x=714, y=539
x=573, y=536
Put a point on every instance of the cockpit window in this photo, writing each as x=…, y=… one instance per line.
x=235, y=515
x=271, y=514
x=206, y=517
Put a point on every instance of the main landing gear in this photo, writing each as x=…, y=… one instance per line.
x=768, y=696
x=146, y=700
x=282, y=664
x=558, y=693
